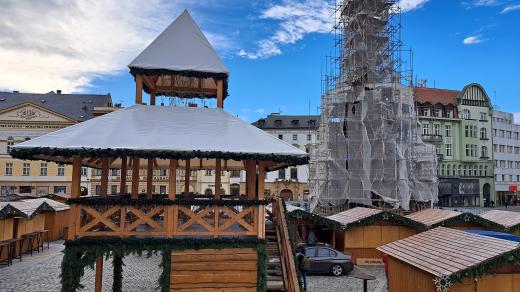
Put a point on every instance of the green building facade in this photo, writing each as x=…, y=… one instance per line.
x=459, y=124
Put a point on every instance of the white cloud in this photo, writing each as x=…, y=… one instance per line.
x=473, y=40
x=407, y=5
x=510, y=8
x=260, y=110
x=297, y=19
x=52, y=44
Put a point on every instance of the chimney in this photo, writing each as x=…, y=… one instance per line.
x=58, y=91
x=16, y=91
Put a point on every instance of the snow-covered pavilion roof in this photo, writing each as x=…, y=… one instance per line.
x=199, y=134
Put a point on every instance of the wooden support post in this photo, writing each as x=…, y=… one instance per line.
x=122, y=183
x=99, y=274
x=220, y=93
x=251, y=179
x=171, y=217
x=138, y=89
x=261, y=208
x=74, y=194
x=135, y=178
x=104, y=177
x=187, y=174
x=149, y=179
x=218, y=179
x=172, y=179
x=152, y=96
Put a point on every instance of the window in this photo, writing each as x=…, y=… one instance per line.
x=426, y=112
x=517, y=150
x=208, y=172
x=484, y=153
x=113, y=171
x=26, y=169
x=467, y=150
x=25, y=189
x=448, y=170
x=510, y=164
x=281, y=174
x=438, y=113
x=310, y=252
x=113, y=189
x=295, y=137
x=443, y=167
x=495, y=133
x=43, y=169
x=280, y=137
x=483, y=133
x=437, y=129
x=449, y=151
x=309, y=137
x=84, y=171
x=501, y=148
x=501, y=133
x=60, y=189
x=426, y=129
x=508, y=134
x=325, y=252
x=235, y=189
x=483, y=116
x=438, y=149
x=515, y=135
x=466, y=131
x=465, y=173
x=447, y=130
x=98, y=190
x=294, y=173
x=449, y=114
x=466, y=114
x=208, y=192
x=9, y=168
x=235, y=173
x=61, y=170
x=10, y=143
x=162, y=190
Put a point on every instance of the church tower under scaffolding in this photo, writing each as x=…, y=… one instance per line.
x=370, y=151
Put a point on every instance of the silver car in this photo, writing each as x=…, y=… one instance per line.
x=326, y=260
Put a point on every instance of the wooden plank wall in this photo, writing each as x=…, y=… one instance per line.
x=56, y=222
x=24, y=226
x=361, y=242
x=231, y=269
x=6, y=233
x=405, y=278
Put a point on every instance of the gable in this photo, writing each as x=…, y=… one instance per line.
x=29, y=112
x=474, y=95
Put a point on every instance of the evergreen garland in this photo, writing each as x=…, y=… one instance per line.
x=315, y=218
x=33, y=153
x=83, y=252
x=386, y=216
x=107, y=201
x=117, y=264
x=471, y=218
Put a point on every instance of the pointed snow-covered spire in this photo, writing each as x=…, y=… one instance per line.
x=180, y=47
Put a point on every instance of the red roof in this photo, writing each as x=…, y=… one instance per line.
x=434, y=95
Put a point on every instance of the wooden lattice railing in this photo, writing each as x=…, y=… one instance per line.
x=169, y=220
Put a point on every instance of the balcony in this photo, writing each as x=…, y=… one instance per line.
x=103, y=217
x=484, y=157
x=432, y=138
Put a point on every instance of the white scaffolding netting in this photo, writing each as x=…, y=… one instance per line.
x=369, y=149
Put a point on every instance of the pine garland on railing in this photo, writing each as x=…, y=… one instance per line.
x=100, y=201
x=83, y=252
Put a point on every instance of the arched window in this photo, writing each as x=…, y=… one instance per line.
x=208, y=192
x=483, y=133
x=484, y=152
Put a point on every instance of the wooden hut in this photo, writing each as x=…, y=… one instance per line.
x=362, y=230
x=210, y=244
x=307, y=227
x=434, y=217
x=508, y=220
x=450, y=260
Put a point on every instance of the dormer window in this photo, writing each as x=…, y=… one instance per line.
x=312, y=122
x=295, y=122
x=278, y=123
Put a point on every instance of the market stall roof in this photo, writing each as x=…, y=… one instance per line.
x=199, y=134
x=182, y=50
x=353, y=215
x=445, y=251
x=507, y=219
x=432, y=217
x=29, y=208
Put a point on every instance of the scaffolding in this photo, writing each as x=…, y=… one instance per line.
x=369, y=149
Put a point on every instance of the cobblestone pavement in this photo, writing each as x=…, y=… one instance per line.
x=41, y=273
x=347, y=283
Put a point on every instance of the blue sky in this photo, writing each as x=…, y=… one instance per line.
x=274, y=49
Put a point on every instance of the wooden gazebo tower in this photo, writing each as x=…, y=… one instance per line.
x=207, y=244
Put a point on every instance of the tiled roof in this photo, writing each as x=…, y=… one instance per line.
x=77, y=107
x=434, y=95
x=354, y=215
x=431, y=217
x=504, y=218
x=276, y=121
x=444, y=251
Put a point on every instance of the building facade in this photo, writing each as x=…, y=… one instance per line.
x=24, y=116
x=459, y=124
x=506, y=155
x=300, y=131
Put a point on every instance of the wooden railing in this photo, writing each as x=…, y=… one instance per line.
x=170, y=220
x=286, y=253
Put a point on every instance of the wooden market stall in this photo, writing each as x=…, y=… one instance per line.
x=434, y=217
x=451, y=260
x=508, y=220
x=179, y=63
x=364, y=229
x=307, y=227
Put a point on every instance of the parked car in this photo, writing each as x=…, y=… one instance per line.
x=325, y=260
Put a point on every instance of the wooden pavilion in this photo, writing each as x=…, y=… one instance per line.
x=210, y=244
x=450, y=260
